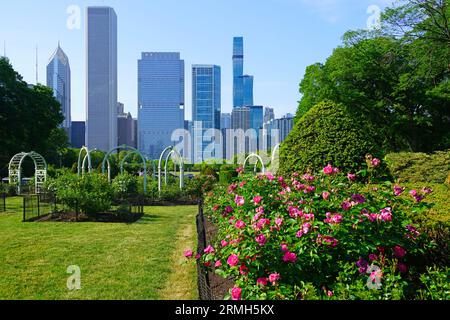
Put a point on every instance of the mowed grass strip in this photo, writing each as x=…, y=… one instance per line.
x=117, y=261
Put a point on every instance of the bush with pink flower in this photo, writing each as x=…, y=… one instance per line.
x=316, y=236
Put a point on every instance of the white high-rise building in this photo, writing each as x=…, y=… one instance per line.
x=101, y=78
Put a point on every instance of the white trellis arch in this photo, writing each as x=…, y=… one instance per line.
x=275, y=161
x=171, y=150
x=40, y=170
x=254, y=155
x=88, y=157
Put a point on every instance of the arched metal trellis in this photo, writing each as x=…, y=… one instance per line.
x=275, y=161
x=40, y=170
x=87, y=156
x=82, y=165
x=254, y=155
x=124, y=147
x=171, y=150
x=122, y=163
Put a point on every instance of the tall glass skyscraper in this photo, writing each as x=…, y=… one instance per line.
x=248, y=90
x=238, y=72
x=160, y=101
x=58, y=78
x=101, y=78
x=206, y=109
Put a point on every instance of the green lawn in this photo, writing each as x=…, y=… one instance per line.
x=117, y=261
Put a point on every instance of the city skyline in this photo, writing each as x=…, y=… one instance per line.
x=276, y=84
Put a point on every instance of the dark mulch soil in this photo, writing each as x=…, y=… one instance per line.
x=101, y=217
x=219, y=286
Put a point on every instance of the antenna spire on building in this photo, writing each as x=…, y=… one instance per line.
x=37, y=74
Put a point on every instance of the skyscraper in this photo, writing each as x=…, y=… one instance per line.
x=78, y=134
x=269, y=114
x=125, y=127
x=248, y=90
x=58, y=78
x=238, y=72
x=206, y=107
x=160, y=100
x=101, y=78
x=225, y=121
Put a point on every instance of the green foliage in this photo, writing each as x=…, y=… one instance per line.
x=419, y=167
x=226, y=176
x=397, y=76
x=200, y=185
x=324, y=235
x=436, y=283
x=91, y=194
x=329, y=133
x=125, y=185
x=29, y=117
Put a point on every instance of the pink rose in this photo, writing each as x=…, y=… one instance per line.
x=240, y=224
x=236, y=293
x=240, y=201
x=278, y=221
x=261, y=281
x=261, y=239
x=375, y=162
x=229, y=209
x=328, y=169
x=218, y=264
x=290, y=257
x=233, y=260
x=351, y=176
x=413, y=193
x=257, y=199
x=325, y=195
x=284, y=247
x=373, y=257
x=209, y=249
x=224, y=243
x=188, y=253
x=398, y=190
x=329, y=293
x=274, y=277
x=399, y=252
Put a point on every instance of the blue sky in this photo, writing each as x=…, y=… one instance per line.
x=281, y=38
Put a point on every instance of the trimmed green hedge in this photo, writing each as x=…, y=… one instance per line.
x=330, y=133
x=419, y=167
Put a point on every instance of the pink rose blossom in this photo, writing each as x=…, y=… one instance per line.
x=240, y=201
x=243, y=270
x=233, y=260
x=224, y=243
x=284, y=247
x=373, y=257
x=290, y=257
x=328, y=169
x=262, y=281
x=218, y=264
x=346, y=205
x=274, y=277
x=375, y=162
x=236, y=293
x=398, y=190
x=325, y=195
x=229, y=209
x=351, y=176
x=257, y=199
x=399, y=252
x=413, y=193
x=209, y=249
x=188, y=253
x=240, y=224
x=278, y=221
x=198, y=256
x=261, y=239
x=329, y=293
x=270, y=176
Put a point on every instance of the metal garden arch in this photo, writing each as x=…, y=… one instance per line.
x=124, y=147
x=171, y=150
x=275, y=161
x=40, y=170
x=88, y=156
x=254, y=155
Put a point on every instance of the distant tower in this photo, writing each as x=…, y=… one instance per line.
x=238, y=72
x=101, y=78
x=58, y=78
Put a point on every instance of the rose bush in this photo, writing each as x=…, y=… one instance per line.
x=316, y=237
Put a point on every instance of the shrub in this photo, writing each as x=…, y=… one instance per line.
x=91, y=193
x=316, y=237
x=419, y=167
x=329, y=133
x=227, y=176
x=125, y=185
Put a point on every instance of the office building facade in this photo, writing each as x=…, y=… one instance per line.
x=160, y=101
x=206, y=111
x=101, y=78
x=58, y=79
x=78, y=133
